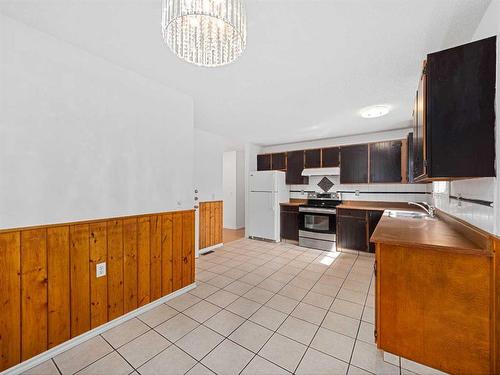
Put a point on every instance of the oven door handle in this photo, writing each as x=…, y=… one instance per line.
x=318, y=210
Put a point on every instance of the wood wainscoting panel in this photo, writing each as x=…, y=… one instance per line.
x=115, y=269
x=80, y=279
x=177, y=251
x=129, y=264
x=155, y=251
x=33, y=292
x=10, y=299
x=49, y=288
x=211, y=223
x=187, y=248
x=98, y=285
x=143, y=261
x=58, y=268
x=166, y=253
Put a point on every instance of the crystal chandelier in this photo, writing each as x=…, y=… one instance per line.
x=205, y=32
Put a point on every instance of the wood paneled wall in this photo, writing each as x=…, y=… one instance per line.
x=49, y=290
x=211, y=223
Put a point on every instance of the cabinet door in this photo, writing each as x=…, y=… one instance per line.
x=313, y=158
x=373, y=219
x=419, y=158
x=354, y=164
x=264, y=162
x=295, y=166
x=351, y=233
x=330, y=157
x=278, y=161
x=409, y=161
x=460, y=130
x=385, y=161
x=289, y=225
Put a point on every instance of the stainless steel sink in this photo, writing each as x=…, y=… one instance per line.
x=408, y=214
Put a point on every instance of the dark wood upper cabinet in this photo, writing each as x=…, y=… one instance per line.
x=295, y=166
x=278, y=161
x=330, y=157
x=409, y=161
x=385, y=162
x=313, y=158
x=419, y=126
x=354, y=164
x=264, y=162
x=455, y=127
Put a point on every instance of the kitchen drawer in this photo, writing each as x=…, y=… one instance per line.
x=360, y=214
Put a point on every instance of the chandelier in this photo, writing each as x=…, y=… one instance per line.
x=205, y=32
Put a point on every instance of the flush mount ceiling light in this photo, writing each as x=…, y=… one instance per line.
x=375, y=111
x=205, y=32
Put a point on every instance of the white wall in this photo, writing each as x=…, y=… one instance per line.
x=240, y=189
x=229, y=185
x=486, y=189
x=81, y=138
x=234, y=189
x=208, y=162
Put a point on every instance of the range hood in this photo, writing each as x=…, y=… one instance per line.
x=321, y=172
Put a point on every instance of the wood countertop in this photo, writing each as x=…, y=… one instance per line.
x=437, y=233
x=294, y=202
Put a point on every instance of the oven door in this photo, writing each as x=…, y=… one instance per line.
x=317, y=222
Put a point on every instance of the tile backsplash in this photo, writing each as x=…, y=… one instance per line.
x=367, y=192
x=475, y=205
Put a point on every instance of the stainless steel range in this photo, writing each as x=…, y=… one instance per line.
x=318, y=221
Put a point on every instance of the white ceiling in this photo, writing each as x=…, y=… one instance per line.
x=309, y=66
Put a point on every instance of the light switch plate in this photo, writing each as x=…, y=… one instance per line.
x=100, y=269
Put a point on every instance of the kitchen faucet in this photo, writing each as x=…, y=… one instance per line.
x=429, y=209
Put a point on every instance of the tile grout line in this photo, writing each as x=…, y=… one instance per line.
x=293, y=275
x=319, y=326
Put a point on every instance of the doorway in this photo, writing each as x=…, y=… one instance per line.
x=233, y=182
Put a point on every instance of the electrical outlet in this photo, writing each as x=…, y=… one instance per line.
x=100, y=269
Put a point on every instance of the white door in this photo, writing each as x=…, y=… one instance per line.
x=262, y=215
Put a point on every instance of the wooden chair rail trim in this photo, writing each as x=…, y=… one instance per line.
x=91, y=221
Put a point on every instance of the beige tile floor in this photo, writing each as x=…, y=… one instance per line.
x=259, y=308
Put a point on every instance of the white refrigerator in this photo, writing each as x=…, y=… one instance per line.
x=267, y=189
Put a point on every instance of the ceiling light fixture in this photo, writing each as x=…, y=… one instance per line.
x=205, y=32
x=375, y=111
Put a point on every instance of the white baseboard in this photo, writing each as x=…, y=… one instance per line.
x=207, y=249
x=42, y=357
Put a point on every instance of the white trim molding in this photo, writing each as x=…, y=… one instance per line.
x=45, y=356
x=210, y=248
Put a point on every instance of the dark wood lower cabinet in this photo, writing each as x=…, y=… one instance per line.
x=289, y=222
x=373, y=219
x=351, y=233
x=354, y=229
